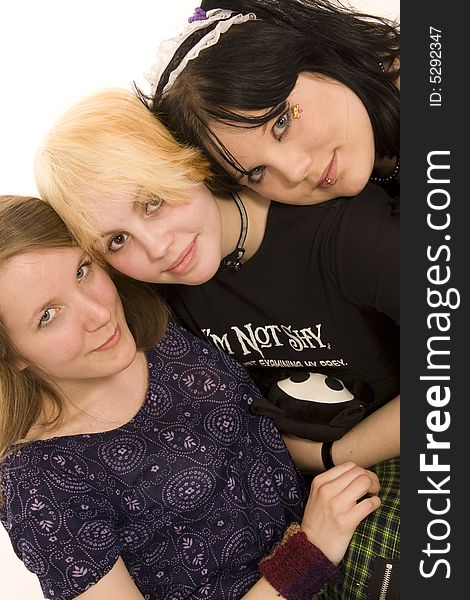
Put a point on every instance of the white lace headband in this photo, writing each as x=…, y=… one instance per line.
x=168, y=48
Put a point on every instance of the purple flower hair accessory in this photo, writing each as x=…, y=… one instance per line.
x=199, y=15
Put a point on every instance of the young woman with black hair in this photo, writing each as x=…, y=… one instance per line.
x=297, y=99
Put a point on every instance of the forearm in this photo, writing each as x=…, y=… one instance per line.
x=371, y=441
x=262, y=590
x=308, y=555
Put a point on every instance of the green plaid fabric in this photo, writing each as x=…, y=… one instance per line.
x=378, y=535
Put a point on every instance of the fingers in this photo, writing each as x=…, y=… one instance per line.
x=351, y=494
x=349, y=478
x=336, y=471
x=361, y=482
x=364, y=508
x=339, y=500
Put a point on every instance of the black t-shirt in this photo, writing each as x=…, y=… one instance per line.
x=320, y=294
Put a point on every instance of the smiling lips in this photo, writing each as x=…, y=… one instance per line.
x=184, y=260
x=330, y=174
x=112, y=341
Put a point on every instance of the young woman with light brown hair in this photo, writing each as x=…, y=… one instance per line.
x=130, y=464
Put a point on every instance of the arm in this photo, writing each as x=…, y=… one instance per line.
x=116, y=584
x=371, y=441
x=331, y=515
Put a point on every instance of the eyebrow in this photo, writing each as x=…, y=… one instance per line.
x=136, y=204
x=106, y=233
x=138, y=200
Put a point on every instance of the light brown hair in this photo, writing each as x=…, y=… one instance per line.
x=28, y=225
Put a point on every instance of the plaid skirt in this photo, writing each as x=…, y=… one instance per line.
x=371, y=564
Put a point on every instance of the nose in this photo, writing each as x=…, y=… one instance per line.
x=156, y=243
x=95, y=313
x=294, y=165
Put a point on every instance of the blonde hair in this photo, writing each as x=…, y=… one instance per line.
x=28, y=225
x=107, y=146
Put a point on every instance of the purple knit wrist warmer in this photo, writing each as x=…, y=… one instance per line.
x=298, y=569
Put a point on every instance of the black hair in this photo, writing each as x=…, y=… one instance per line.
x=255, y=66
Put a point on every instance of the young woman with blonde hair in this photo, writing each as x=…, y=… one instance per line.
x=280, y=288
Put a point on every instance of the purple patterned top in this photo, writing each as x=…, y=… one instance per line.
x=191, y=493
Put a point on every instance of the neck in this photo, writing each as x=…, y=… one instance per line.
x=97, y=405
x=257, y=211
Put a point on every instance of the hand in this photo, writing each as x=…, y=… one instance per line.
x=333, y=510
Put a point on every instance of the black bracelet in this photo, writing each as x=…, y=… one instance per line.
x=326, y=455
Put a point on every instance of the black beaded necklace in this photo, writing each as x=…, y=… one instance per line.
x=396, y=168
x=232, y=262
x=393, y=174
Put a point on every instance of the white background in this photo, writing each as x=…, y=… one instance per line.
x=53, y=52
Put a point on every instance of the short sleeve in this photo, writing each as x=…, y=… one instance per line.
x=367, y=252
x=60, y=528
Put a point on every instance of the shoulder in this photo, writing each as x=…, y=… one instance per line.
x=177, y=340
x=59, y=473
x=372, y=195
x=62, y=529
x=343, y=220
x=367, y=221
x=371, y=207
x=50, y=468
x=364, y=250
